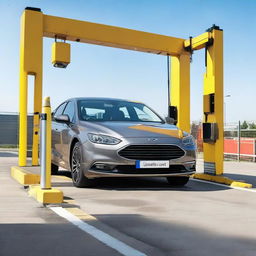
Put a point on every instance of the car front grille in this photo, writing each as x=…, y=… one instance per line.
x=152, y=152
x=131, y=169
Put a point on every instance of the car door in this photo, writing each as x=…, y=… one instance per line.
x=68, y=131
x=56, y=134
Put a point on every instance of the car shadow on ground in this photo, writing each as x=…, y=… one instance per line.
x=142, y=183
x=152, y=184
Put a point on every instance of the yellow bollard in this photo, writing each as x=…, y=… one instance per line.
x=46, y=146
x=44, y=193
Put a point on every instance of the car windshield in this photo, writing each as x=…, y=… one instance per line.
x=114, y=110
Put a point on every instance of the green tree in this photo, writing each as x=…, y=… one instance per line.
x=252, y=125
x=244, y=125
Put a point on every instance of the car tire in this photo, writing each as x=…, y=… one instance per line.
x=77, y=174
x=178, y=181
x=54, y=169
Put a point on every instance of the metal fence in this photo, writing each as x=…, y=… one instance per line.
x=239, y=137
x=9, y=130
x=239, y=140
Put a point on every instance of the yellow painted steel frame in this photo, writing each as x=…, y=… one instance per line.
x=213, y=84
x=31, y=51
x=35, y=25
x=180, y=89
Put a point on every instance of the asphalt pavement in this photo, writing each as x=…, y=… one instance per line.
x=147, y=215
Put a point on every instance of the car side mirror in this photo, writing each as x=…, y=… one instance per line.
x=62, y=119
x=169, y=120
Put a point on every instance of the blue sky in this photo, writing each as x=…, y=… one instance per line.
x=109, y=72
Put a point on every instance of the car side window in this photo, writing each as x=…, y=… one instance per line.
x=70, y=111
x=60, y=109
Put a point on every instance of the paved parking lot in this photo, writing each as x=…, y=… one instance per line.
x=145, y=214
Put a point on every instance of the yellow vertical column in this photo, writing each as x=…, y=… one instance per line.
x=180, y=89
x=31, y=47
x=23, y=95
x=213, y=84
x=36, y=119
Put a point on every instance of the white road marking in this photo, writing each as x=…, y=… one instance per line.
x=226, y=186
x=10, y=152
x=98, y=234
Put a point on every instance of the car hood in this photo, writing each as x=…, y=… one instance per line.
x=134, y=129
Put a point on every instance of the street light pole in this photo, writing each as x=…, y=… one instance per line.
x=226, y=96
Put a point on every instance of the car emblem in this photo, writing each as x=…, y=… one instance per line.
x=152, y=139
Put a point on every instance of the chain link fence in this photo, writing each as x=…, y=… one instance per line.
x=239, y=140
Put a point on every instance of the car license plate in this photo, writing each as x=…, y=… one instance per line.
x=152, y=164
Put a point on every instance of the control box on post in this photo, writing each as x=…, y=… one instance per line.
x=209, y=103
x=210, y=132
x=173, y=113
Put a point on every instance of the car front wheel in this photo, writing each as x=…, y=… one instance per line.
x=78, y=178
x=178, y=181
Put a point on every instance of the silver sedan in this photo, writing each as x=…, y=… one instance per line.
x=104, y=137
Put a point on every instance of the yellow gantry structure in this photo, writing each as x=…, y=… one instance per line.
x=35, y=26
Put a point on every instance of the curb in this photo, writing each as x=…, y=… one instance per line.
x=222, y=179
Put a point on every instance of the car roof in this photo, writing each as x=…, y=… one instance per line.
x=98, y=98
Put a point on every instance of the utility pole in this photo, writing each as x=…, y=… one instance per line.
x=239, y=140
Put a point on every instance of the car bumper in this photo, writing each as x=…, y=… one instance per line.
x=104, y=161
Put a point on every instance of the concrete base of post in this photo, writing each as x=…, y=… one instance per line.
x=30, y=175
x=46, y=196
x=24, y=176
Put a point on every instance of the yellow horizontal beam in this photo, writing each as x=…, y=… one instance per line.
x=222, y=179
x=24, y=177
x=46, y=196
x=93, y=33
x=198, y=42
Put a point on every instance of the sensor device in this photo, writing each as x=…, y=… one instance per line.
x=60, y=54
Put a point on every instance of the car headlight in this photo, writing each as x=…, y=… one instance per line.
x=188, y=140
x=103, y=139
